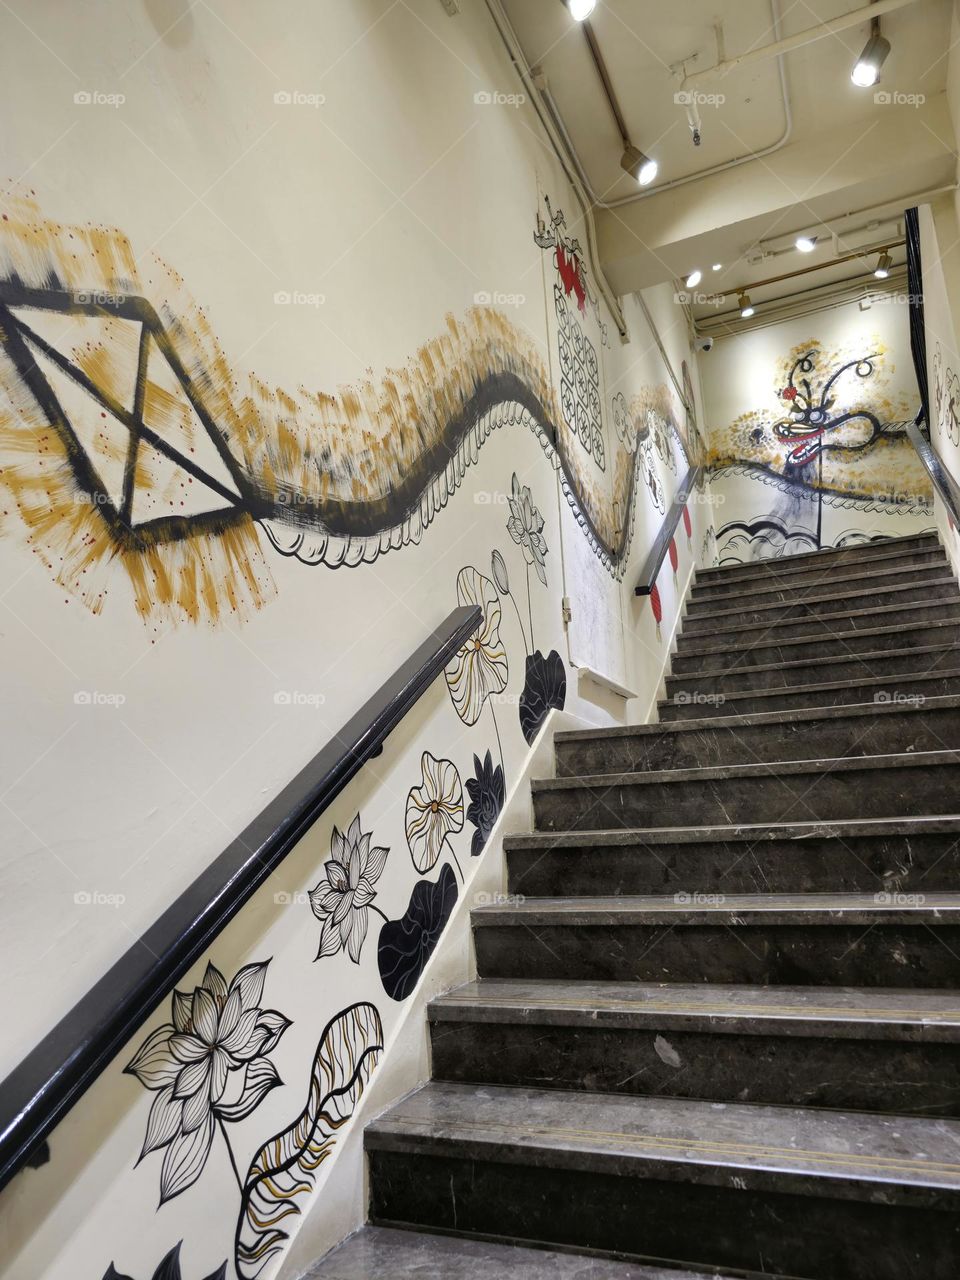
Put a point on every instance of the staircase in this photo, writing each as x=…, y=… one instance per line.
x=717, y=1026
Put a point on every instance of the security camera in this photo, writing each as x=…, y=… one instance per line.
x=703, y=344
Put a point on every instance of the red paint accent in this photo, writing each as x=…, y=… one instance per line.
x=686, y=523
x=569, y=269
x=655, y=603
x=674, y=558
x=789, y=393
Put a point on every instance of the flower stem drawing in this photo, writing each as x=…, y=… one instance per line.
x=503, y=586
x=499, y=743
x=233, y=1159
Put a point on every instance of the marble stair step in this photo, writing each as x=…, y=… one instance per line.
x=826, y=626
x=379, y=1253
x=814, y=939
x=861, y=855
x=765, y=649
x=723, y=595
x=730, y=673
x=825, y=1195
x=904, y=690
x=708, y=618
x=864, y=730
x=865, y=1049
x=923, y=784
x=841, y=560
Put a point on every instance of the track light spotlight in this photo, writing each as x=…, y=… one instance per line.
x=693, y=279
x=884, y=263
x=746, y=306
x=640, y=167
x=806, y=244
x=581, y=9
x=866, y=71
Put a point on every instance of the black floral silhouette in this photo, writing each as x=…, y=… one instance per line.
x=407, y=944
x=169, y=1269
x=545, y=687
x=487, y=792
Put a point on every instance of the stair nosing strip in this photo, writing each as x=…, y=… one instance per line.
x=765, y=628
x=853, y=577
x=833, y=686
x=760, y=719
x=851, y=1175
x=812, y=662
x=840, y=638
x=836, y=828
x=760, y=769
x=948, y=580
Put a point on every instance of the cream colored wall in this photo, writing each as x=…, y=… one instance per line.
x=141, y=745
x=767, y=507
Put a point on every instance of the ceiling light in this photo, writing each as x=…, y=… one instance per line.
x=746, y=306
x=580, y=9
x=693, y=279
x=884, y=263
x=639, y=166
x=717, y=266
x=866, y=71
x=806, y=244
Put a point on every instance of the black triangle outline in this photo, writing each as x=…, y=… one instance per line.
x=141, y=396
x=132, y=424
x=103, y=489
x=142, y=443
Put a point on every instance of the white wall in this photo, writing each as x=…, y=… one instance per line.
x=341, y=279
x=865, y=482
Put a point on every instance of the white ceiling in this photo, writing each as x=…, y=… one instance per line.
x=643, y=40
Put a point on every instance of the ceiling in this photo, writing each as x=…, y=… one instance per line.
x=834, y=151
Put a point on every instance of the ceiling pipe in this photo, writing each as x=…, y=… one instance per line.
x=724, y=165
x=819, y=266
x=832, y=297
x=837, y=228
x=867, y=13
x=567, y=158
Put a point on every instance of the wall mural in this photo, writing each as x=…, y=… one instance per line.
x=128, y=440
x=129, y=443
x=838, y=441
x=210, y=1066
x=946, y=398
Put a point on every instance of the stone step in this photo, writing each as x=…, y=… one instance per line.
x=905, y=690
x=385, y=1253
x=820, y=939
x=730, y=674
x=866, y=555
x=867, y=729
x=863, y=855
x=759, y=649
x=826, y=626
x=827, y=1195
x=847, y=1048
x=723, y=595
x=707, y=618
x=919, y=785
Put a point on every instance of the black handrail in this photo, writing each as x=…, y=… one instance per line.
x=651, y=566
x=45, y=1085
x=942, y=480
